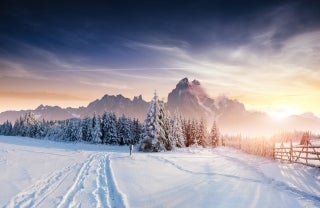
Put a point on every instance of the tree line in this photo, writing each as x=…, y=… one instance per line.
x=105, y=129
x=159, y=132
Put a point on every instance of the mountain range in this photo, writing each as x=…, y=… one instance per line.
x=191, y=100
x=118, y=104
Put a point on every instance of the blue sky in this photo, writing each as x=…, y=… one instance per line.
x=265, y=54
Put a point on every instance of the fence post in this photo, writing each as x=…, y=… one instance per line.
x=282, y=150
x=291, y=151
x=307, y=154
x=274, y=150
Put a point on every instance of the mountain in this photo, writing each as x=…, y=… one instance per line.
x=120, y=105
x=42, y=112
x=191, y=100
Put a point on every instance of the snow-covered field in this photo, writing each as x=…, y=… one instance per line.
x=41, y=173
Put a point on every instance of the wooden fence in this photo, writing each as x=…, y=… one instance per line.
x=303, y=154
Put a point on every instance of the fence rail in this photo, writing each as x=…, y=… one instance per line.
x=302, y=154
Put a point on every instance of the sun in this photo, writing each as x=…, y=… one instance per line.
x=281, y=113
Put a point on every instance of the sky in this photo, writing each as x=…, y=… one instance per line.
x=266, y=54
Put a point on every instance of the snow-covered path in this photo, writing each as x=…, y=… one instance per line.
x=85, y=184
x=38, y=173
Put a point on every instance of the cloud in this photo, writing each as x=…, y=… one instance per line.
x=39, y=95
x=303, y=50
x=107, y=85
x=8, y=68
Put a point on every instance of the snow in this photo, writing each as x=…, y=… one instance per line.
x=42, y=173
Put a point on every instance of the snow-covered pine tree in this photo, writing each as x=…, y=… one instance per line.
x=186, y=129
x=41, y=129
x=171, y=136
x=85, y=126
x=179, y=127
x=136, y=131
x=6, y=128
x=202, y=133
x=89, y=134
x=194, y=133
x=96, y=131
x=72, y=130
x=17, y=129
x=55, y=131
x=176, y=136
x=164, y=117
x=153, y=132
x=214, y=134
x=109, y=128
x=103, y=126
x=124, y=131
x=28, y=125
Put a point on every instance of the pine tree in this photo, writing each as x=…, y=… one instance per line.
x=176, y=136
x=202, y=133
x=41, y=129
x=186, y=129
x=194, y=133
x=6, y=128
x=165, y=119
x=89, y=129
x=109, y=129
x=55, y=131
x=85, y=126
x=136, y=131
x=153, y=131
x=124, y=131
x=72, y=130
x=96, y=131
x=28, y=127
x=214, y=134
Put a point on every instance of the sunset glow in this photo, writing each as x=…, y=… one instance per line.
x=266, y=55
x=280, y=114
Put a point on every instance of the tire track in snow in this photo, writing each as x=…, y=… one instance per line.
x=68, y=198
x=36, y=193
x=114, y=197
x=105, y=190
x=101, y=191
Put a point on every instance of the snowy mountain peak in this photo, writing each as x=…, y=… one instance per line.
x=183, y=83
x=113, y=97
x=190, y=99
x=120, y=105
x=47, y=107
x=195, y=82
x=137, y=98
x=40, y=107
